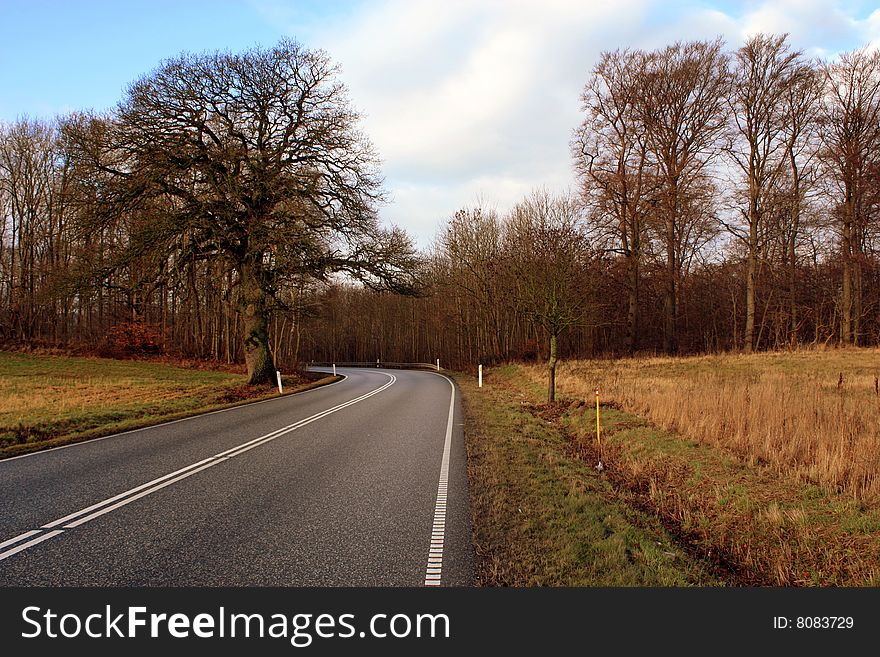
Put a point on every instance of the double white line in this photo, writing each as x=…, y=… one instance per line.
x=56, y=527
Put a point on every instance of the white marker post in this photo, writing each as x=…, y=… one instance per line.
x=334, y=369
x=438, y=364
x=280, y=389
x=480, y=377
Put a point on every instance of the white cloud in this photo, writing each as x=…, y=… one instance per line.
x=468, y=100
x=819, y=27
x=872, y=29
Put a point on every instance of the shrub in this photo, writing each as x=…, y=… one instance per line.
x=132, y=339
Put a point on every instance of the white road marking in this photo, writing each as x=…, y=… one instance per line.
x=25, y=546
x=434, y=569
x=20, y=537
x=83, y=516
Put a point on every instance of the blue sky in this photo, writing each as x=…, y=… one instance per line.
x=464, y=100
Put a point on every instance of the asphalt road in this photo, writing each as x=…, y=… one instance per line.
x=337, y=486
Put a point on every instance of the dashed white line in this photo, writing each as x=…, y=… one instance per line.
x=434, y=569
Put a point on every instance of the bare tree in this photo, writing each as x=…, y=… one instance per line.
x=472, y=248
x=611, y=158
x=682, y=107
x=32, y=243
x=764, y=69
x=258, y=162
x=549, y=256
x=800, y=114
x=208, y=213
x=850, y=124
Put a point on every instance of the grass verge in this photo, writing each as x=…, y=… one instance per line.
x=741, y=519
x=543, y=516
x=49, y=401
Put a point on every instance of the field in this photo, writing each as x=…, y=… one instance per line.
x=46, y=401
x=763, y=468
x=814, y=415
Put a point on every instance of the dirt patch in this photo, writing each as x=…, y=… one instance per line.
x=22, y=435
x=241, y=393
x=552, y=411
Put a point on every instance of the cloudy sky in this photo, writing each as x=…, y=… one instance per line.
x=465, y=101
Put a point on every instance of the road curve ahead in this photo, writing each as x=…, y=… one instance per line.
x=360, y=483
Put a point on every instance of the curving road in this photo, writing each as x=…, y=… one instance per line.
x=339, y=486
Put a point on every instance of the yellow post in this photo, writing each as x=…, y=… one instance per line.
x=598, y=428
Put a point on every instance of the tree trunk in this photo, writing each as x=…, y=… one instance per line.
x=670, y=339
x=551, y=370
x=751, y=271
x=792, y=250
x=255, y=322
x=670, y=305
x=632, y=315
x=749, y=334
x=792, y=293
x=846, y=283
x=857, y=299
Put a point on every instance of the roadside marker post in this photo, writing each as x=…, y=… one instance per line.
x=438, y=364
x=278, y=375
x=480, y=377
x=334, y=369
x=599, y=466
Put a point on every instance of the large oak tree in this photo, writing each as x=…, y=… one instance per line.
x=256, y=160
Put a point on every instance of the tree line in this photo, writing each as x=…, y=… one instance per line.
x=227, y=209
x=728, y=201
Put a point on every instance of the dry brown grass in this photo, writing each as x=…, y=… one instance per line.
x=47, y=400
x=811, y=414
